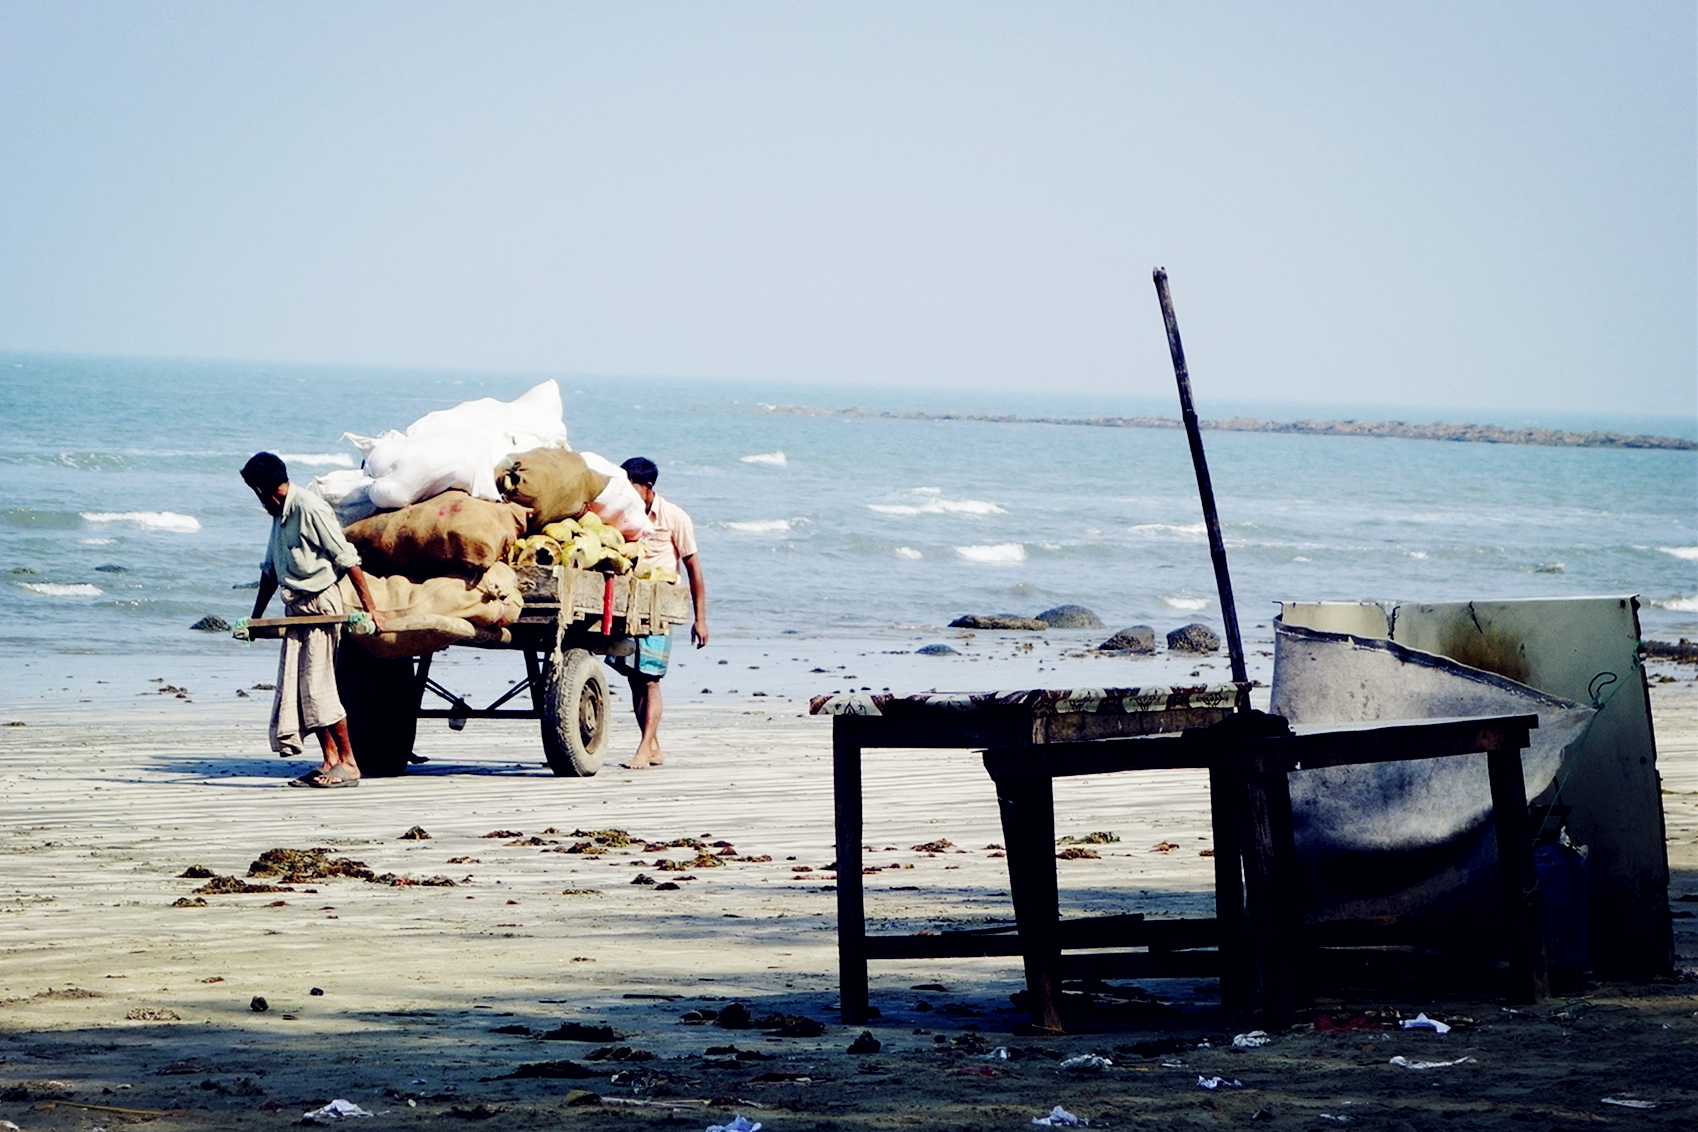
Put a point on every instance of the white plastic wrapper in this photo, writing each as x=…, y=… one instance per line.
x=335, y=1111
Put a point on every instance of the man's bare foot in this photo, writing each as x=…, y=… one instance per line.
x=645, y=758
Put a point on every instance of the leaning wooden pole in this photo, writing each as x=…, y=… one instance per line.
x=1217, y=548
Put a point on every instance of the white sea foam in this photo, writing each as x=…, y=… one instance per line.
x=58, y=589
x=761, y=526
x=1302, y=558
x=999, y=553
x=148, y=520
x=775, y=459
x=1678, y=604
x=908, y=552
x=933, y=502
x=97, y=541
x=318, y=459
x=1187, y=603
x=1417, y=554
x=1690, y=553
x=1189, y=529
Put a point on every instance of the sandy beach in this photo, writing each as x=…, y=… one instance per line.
x=547, y=988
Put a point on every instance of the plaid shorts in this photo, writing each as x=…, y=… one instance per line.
x=650, y=659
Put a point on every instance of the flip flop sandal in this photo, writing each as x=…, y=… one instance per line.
x=305, y=779
x=334, y=777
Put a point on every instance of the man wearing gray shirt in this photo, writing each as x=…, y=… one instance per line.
x=305, y=557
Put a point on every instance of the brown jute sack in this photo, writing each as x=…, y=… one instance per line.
x=421, y=617
x=550, y=483
x=451, y=533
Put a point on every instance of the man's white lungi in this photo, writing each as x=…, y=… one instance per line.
x=306, y=673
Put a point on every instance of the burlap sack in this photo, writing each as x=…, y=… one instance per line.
x=421, y=617
x=449, y=534
x=550, y=483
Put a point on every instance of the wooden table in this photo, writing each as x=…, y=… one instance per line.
x=1006, y=720
x=1258, y=929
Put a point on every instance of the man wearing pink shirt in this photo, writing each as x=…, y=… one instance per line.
x=673, y=546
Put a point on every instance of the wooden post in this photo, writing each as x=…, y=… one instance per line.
x=1027, y=805
x=1527, y=978
x=1205, y=488
x=851, y=905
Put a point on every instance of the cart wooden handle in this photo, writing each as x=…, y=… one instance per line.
x=270, y=628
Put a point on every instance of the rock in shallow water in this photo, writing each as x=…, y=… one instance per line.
x=936, y=650
x=1139, y=638
x=997, y=621
x=212, y=623
x=1070, y=617
x=1193, y=638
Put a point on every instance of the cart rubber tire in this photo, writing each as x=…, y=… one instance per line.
x=382, y=700
x=575, y=714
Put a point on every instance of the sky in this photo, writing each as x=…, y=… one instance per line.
x=1485, y=205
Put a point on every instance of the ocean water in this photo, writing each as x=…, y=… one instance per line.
x=123, y=519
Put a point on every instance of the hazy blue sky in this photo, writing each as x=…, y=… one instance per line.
x=1484, y=205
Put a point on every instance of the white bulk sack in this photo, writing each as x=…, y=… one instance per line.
x=459, y=447
x=619, y=505
x=348, y=491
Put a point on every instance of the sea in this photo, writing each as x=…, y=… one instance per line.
x=834, y=544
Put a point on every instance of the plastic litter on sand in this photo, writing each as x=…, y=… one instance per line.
x=1422, y=1022
x=1407, y=1064
x=1629, y=1102
x=1059, y=1118
x=336, y=1110
x=1218, y=1083
x=1087, y=1063
x=738, y=1123
x=1251, y=1040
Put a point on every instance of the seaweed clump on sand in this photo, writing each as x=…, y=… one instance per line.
x=298, y=866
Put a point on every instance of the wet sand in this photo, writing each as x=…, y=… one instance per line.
x=117, y=1005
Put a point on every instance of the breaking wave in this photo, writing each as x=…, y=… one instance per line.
x=908, y=552
x=932, y=502
x=147, y=520
x=1186, y=603
x=999, y=553
x=318, y=459
x=1690, y=553
x=774, y=459
x=58, y=589
x=1677, y=604
x=761, y=526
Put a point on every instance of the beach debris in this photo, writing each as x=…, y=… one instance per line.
x=476, y=1112
x=865, y=1043
x=316, y=992
x=618, y=1053
x=1193, y=638
x=1101, y=837
x=1164, y=847
x=1137, y=639
x=1334, y=1119
x=1070, y=617
x=738, y=1123
x=1407, y=1064
x=503, y=833
x=189, y=902
x=211, y=623
x=1087, y=1063
x=416, y=833
x=224, y=886
x=152, y=1014
x=197, y=872
x=336, y=1110
x=581, y=1032
x=181, y=1068
x=1252, y=1040
x=1059, y=1118
x=258, y=1005
x=1422, y=1022
x=1628, y=1102
x=548, y=1071
x=1212, y=1083
x=1000, y=1053
x=576, y=1097
x=1077, y=854
x=940, y=845
x=642, y=878
x=931, y=650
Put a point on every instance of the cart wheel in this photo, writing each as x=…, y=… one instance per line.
x=382, y=700
x=574, y=714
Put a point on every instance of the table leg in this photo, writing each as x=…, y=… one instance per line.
x=851, y=905
x=1527, y=978
x=1027, y=805
x=1226, y=805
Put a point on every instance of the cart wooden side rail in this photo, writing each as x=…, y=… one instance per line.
x=571, y=618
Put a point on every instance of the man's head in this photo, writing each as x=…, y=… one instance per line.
x=269, y=478
x=642, y=473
